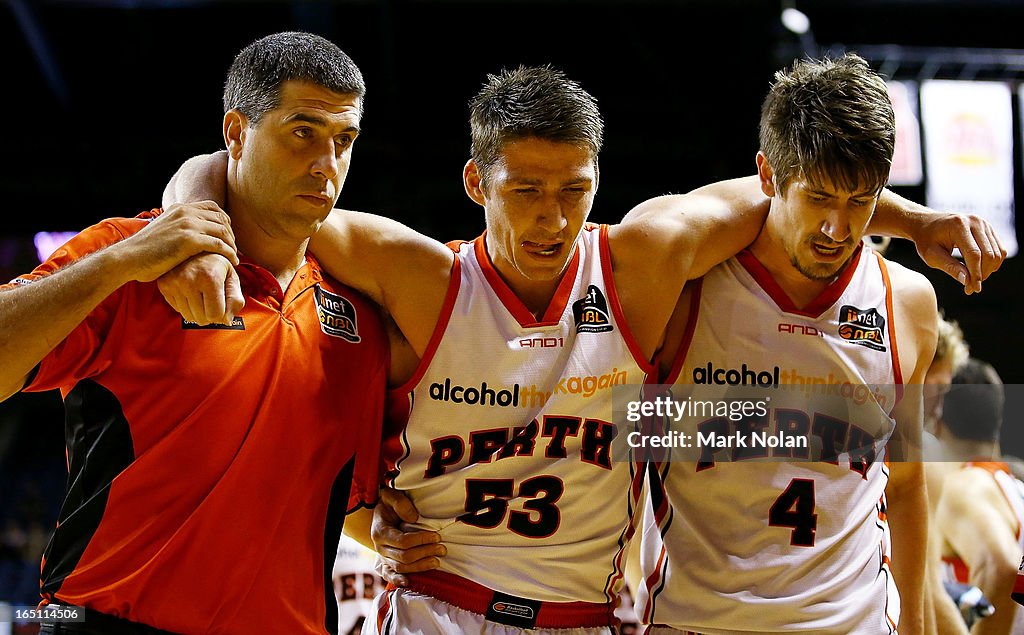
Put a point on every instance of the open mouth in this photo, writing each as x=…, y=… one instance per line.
x=544, y=249
x=825, y=251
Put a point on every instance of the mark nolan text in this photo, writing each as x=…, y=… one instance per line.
x=715, y=440
x=753, y=439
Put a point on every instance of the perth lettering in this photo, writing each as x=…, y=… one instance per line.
x=789, y=434
x=552, y=432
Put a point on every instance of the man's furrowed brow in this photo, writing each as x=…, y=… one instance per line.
x=316, y=120
x=306, y=118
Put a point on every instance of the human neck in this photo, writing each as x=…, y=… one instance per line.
x=798, y=287
x=281, y=257
x=963, y=450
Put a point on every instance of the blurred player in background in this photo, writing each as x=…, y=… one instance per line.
x=356, y=583
x=980, y=509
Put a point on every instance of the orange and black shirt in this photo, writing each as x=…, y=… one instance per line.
x=210, y=469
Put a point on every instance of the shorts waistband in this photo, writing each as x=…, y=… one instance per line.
x=509, y=609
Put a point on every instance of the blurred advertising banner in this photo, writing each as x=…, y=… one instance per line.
x=906, y=160
x=968, y=139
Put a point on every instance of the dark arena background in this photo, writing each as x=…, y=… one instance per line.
x=103, y=100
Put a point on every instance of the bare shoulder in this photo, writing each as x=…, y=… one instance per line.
x=916, y=317
x=965, y=489
x=913, y=296
x=362, y=230
x=672, y=220
x=660, y=238
x=404, y=271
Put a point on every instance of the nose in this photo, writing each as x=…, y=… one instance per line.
x=836, y=224
x=325, y=165
x=551, y=217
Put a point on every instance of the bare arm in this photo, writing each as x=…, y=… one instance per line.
x=357, y=526
x=36, y=317
x=665, y=241
x=945, y=613
x=908, y=518
x=974, y=520
x=935, y=233
x=404, y=271
x=916, y=319
x=201, y=178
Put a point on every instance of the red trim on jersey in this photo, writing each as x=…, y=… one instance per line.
x=818, y=305
x=442, y=324
x=1018, y=584
x=893, y=350
x=470, y=596
x=691, y=327
x=960, y=570
x=385, y=607
x=456, y=245
x=512, y=302
x=651, y=582
x=613, y=299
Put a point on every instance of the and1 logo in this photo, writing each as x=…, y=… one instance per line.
x=337, y=315
x=862, y=326
x=591, y=312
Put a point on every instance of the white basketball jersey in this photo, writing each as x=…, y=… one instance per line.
x=744, y=541
x=507, y=447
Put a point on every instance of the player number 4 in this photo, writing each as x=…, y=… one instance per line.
x=794, y=508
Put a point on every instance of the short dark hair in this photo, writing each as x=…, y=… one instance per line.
x=829, y=119
x=531, y=101
x=260, y=70
x=973, y=408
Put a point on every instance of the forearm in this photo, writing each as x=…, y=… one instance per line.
x=995, y=579
x=907, y=513
x=897, y=216
x=201, y=178
x=35, y=317
x=357, y=527
x=948, y=620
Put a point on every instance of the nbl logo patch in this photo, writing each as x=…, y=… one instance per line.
x=337, y=315
x=591, y=312
x=512, y=610
x=865, y=327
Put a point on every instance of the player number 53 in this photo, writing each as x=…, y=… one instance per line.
x=487, y=505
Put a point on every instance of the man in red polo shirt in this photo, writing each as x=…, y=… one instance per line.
x=211, y=467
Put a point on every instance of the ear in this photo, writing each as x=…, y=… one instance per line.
x=235, y=126
x=473, y=182
x=765, y=174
